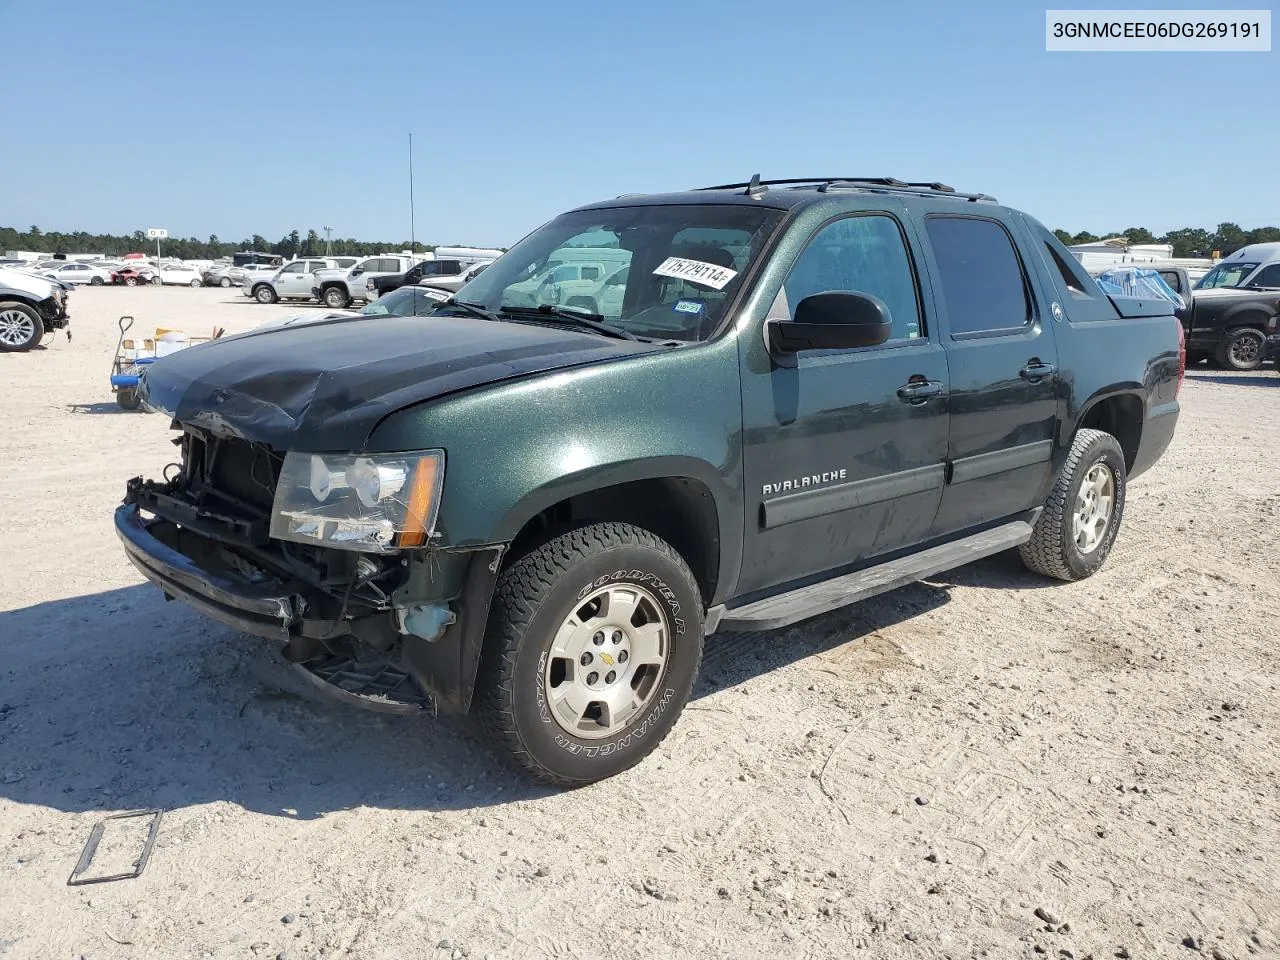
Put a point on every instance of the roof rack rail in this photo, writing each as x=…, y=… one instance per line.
x=755, y=185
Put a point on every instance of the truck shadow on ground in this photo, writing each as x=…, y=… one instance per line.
x=118, y=700
x=1258, y=379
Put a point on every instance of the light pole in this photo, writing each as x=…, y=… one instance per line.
x=328, y=232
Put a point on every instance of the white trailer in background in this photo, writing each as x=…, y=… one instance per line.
x=1117, y=251
x=467, y=255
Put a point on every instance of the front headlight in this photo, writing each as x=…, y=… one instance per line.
x=376, y=503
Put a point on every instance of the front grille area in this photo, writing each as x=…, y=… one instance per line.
x=246, y=471
x=240, y=473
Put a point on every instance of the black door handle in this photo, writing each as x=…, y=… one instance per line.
x=918, y=391
x=1035, y=370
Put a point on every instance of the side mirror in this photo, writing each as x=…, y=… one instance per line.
x=831, y=321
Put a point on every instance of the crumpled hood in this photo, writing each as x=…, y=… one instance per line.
x=323, y=387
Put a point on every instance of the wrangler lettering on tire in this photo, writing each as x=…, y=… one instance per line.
x=593, y=643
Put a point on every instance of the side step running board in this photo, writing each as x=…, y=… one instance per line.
x=827, y=595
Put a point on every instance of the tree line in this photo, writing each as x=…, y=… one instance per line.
x=1187, y=242
x=294, y=244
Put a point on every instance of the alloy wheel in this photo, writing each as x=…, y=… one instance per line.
x=16, y=328
x=606, y=661
x=1094, y=505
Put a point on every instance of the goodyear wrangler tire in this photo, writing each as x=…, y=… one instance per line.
x=1081, y=518
x=593, y=643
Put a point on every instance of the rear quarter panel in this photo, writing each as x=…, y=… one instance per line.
x=1101, y=355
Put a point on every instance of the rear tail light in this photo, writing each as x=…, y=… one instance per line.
x=1182, y=356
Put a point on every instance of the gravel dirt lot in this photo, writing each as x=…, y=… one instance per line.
x=987, y=764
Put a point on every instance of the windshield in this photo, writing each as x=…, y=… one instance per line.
x=684, y=264
x=405, y=302
x=1226, y=275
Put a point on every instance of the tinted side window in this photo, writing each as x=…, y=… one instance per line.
x=1268, y=276
x=1172, y=278
x=866, y=254
x=982, y=280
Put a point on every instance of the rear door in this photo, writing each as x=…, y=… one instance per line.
x=844, y=450
x=1003, y=364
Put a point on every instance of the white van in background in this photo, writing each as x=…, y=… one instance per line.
x=1257, y=265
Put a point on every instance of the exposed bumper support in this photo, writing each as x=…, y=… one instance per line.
x=266, y=609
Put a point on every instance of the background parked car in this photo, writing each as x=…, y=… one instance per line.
x=30, y=306
x=132, y=276
x=218, y=275
x=178, y=275
x=456, y=282
x=78, y=273
x=293, y=281
x=417, y=301
x=337, y=288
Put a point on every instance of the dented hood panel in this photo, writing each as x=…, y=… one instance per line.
x=323, y=387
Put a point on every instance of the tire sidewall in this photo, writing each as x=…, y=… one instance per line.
x=264, y=295
x=574, y=758
x=1107, y=451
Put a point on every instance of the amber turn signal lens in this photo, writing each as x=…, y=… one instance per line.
x=422, y=494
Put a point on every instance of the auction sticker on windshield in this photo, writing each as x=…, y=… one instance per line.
x=695, y=271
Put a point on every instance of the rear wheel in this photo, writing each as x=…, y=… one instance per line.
x=224, y=282
x=264, y=294
x=156, y=279
x=1080, y=520
x=195, y=283
x=1241, y=349
x=128, y=399
x=336, y=298
x=593, y=643
x=130, y=281
x=20, y=327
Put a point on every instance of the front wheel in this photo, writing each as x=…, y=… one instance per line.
x=1080, y=520
x=130, y=281
x=1241, y=349
x=593, y=643
x=128, y=399
x=224, y=282
x=156, y=280
x=21, y=327
x=195, y=283
x=96, y=282
x=264, y=294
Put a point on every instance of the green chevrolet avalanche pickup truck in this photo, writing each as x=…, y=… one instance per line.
x=783, y=397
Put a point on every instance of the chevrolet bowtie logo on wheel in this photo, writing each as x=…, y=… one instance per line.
x=607, y=659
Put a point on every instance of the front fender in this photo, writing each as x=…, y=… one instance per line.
x=515, y=448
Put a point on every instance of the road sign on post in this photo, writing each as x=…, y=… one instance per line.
x=157, y=234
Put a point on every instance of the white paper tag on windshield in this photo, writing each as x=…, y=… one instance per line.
x=695, y=271
x=432, y=294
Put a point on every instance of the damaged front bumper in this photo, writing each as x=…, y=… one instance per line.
x=432, y=627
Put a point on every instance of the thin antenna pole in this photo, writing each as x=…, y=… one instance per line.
x=413, y=245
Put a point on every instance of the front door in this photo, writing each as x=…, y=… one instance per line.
x=294, y=280
x=1004, y=379
x=844, y=450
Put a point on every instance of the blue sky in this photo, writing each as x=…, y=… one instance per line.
x=237, y=118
